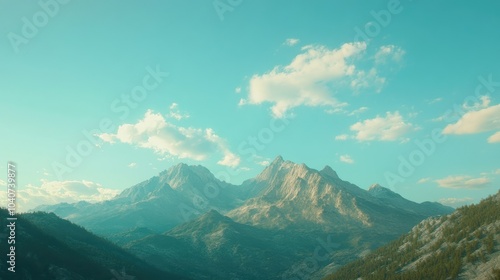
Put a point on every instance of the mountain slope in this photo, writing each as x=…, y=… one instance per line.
x=216, y=248
x=395, y=200
x=48, y=247
x=160, y=203
x=462, y=245
x=290, y=195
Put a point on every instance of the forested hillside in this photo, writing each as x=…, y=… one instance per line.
x=462, y=245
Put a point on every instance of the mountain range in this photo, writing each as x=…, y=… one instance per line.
x=289, y=221
x=160, y=203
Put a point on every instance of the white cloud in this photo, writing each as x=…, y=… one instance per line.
x=175, y=113
x=463, y=182
x=264, y=162
x=346, y=159
x=392, y=127
x=389, y=52
x=456, y=202
x=423, y=180
x=413, y=115
x=154, y=132
x=337, y=110
x=106, y=137
x=439, y=119
x=494, y=172
x=311, y=79
x=291, y=42
x=484, y=103
x=342, y=137
x=435, y=100
x=229, y=159
x=358, y=111
x=366, y=79
x=237, y=90
x=132, y=165
x=242, y=102
x=495, y=138
x=483, y=118
x=54, y=192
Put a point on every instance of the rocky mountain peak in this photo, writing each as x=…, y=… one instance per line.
x=182, y=174
x=329, y=172
x=377, y=190
x=181, y=169
x=278, y=160
x=276, y=169
x=213, y=215
x=375, y=186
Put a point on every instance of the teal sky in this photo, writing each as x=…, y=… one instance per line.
x=247, y=81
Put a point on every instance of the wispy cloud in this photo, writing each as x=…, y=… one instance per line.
x=493, y=173
x=389, y=53
x=358, y=111
x=495, y=138
x=54, y=192
x=291, y=42
x=391, y=127
x=423, y=180
x=346, y=159
x=463, y=182
x=264, y=163
x=366, y=79
x=484, y=102
x=342, y=137
x=456, y=202
x=435, y=100
x=175, y=113
x=439, y=119
x=155, y=133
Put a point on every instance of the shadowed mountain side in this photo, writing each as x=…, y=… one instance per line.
x=218, y=248
x=51, y=248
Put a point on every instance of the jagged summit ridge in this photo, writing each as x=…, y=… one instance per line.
x=278, y=159
x=178, y=175
x=378, y=191
x=374, y=187
x=281, y=167
x=382, y=192
x=284, y=194
x=328, y=171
